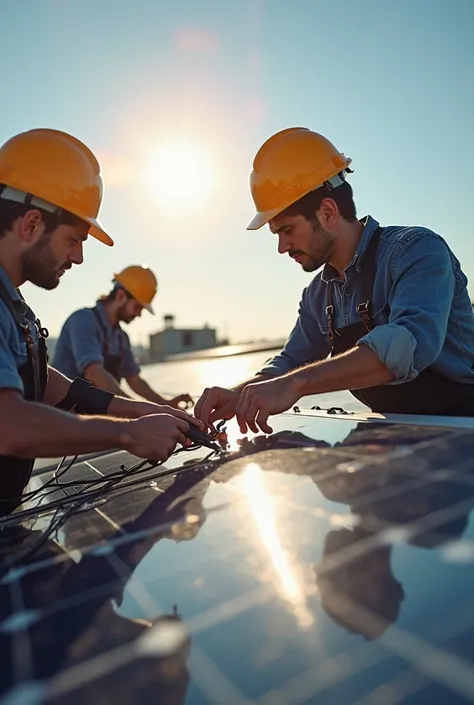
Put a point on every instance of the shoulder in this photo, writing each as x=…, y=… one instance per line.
x=397, y=242
x=401, y=237
x=82, y=315
x=82, y=318
x=6, y=320
x=421, y=249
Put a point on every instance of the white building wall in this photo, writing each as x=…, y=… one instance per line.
x=174, y=341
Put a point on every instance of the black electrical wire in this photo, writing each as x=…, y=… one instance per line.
x=105, y=483
x=58, y=472
x=84, y=495
x=58, y=521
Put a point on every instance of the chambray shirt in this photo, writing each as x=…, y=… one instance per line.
x=430, y=320
x=13, y=353
x=81, y=342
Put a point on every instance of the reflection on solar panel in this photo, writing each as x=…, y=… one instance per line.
x=332, y=562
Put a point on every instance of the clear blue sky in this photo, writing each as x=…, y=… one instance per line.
x=391, y=84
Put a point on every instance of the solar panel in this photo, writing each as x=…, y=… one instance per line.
x=331, y=562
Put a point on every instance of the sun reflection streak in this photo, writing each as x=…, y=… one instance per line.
x=263, y=511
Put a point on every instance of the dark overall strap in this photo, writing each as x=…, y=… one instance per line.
x=364, y=307
x=36, y=360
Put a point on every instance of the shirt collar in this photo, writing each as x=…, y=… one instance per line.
x=370, y=226
x=7, y=283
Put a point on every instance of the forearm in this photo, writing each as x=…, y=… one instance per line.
x=31, y=430
x=143, y=389
x=120, y=406
x=57, y=387
x=259, y=377
x=355, y=369
x=99, y=377
x=129, y=408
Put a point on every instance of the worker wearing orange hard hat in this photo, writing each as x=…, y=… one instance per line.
x=50, y=196
x=92, y=343
x=388, y=317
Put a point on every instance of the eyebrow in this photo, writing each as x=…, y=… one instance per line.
x=275, y=231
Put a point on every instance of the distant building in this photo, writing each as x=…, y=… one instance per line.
x=175, y=341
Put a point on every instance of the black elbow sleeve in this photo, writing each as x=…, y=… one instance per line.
x=84, y=398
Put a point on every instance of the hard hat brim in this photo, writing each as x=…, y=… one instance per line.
x=149, y=308
x=97, y=231
x=261, y=219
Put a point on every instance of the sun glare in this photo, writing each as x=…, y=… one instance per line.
x=180, y=175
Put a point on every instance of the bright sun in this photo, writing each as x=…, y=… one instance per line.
x=180, y=175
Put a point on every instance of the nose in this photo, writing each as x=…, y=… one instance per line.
x=283, y=245
x=77, y=256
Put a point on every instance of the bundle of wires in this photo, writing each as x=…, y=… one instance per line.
x=92, y=490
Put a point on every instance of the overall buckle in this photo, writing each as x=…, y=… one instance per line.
x=330, y=315
x=363, y=311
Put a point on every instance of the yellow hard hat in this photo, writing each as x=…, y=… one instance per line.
x=289, y=165
x=51, y=169
x=139, y=282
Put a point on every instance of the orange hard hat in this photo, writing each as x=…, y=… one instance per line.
x=140, y=282
x=52, y=170
x=289, y=165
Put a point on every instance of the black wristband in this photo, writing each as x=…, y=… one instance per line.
x=83, y=398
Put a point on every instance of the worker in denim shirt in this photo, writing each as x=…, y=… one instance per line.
x=50, y=195
x=93, y=344
x=389, y=316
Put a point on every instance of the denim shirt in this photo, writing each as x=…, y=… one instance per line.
x=81, y=342
x=430, y=321
x=13, y=352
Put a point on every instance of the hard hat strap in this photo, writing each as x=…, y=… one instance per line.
x=335, y=181
x=8, y=193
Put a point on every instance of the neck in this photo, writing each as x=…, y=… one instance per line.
x=111, y=313
x=347, y=239
x=11, y=263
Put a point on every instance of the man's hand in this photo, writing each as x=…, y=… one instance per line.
x=216, y=403
x=155, y=437
x=181, y=399
x=258, y=401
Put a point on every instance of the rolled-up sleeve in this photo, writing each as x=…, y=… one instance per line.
x=86, y=341
x=420, y=302
x=306, y=343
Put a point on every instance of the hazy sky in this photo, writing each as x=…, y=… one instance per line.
x=194, y=88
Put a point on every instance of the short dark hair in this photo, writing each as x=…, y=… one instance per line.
x=10, y=211
x=311, y=202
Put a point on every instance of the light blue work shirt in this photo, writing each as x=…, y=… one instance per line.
x=81, y=342
x=13, y=352
x=430, y=321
